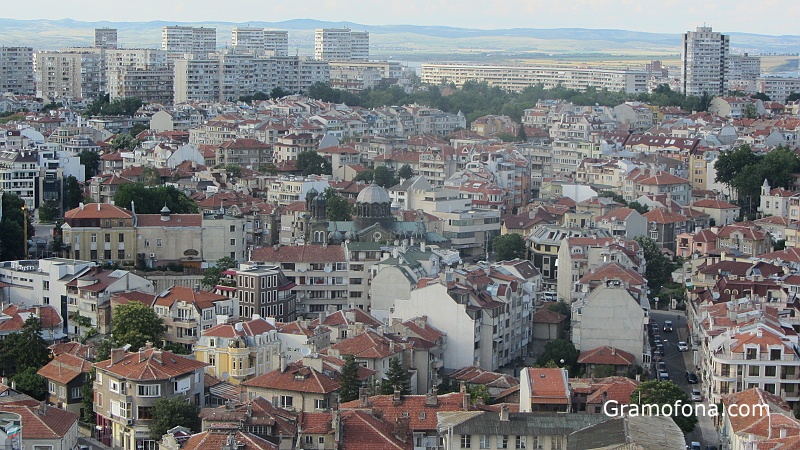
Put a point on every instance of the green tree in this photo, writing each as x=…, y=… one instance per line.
x=793, y=97
x=25, y=349
x=383, y=177
x=137, y=128
x=561, y=307
x=603, y=371
x=31, y=383
x=750, y=111
x=91, y=162
x=656, y=392
x=12, y=245
x=278, y=92
x=151, y=200
x=397, y=377
x=509, y=246
x=366, y=176
x=49, y=211
x=479, y=391
x=349, y=379
x=405, y=172
x=212, y=275
x=233, y=169
x=638, y=207
x=104, y=349
x=312, y=163
x=123, y=142
x=87, y=398
x=337, y=208
x=170, y=412
x=761, y=96
x=557, y=350
x=521, y=135
x=731, y=163
x=150, y=177
x=73, y=194
x=659, y=267
x=135, y=323
x=614, y=196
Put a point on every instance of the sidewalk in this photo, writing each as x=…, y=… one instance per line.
x=93, y=444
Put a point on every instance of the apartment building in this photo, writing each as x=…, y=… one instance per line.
x=704, y=62
x=105, y=38
x=69, y=74
x=260, y=41
x=340, y=44
x=778, y=88
x=470, y=230
x=356, y=76
x=517, y=78
x=248, y=153
x=243, y=350
x=127, y=386
x=196, y=80
x=261, y=290
x=39, y=282
x=151, y=85
x=743, y=70
x=16, y=70
x=320, y=274
x=182, y=40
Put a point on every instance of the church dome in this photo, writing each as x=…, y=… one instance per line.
x=311, y=193
x=373, y=194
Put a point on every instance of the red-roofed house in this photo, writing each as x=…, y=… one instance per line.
x=186, y=312
x=620, y=361
x=300, y=386
x=179, y=438
x=370, y=349
x=257, y=416
x=13, y=318
x=66, y=375
x=544, y=390
x=127, y=386
x=770, y=425
x=44, y=426
x=747, y=238
x=590, y=394
x=664, y=226
x=242, y=350
x=648, y=182
x=720, y=212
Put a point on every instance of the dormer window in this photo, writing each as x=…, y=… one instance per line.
x=751, y=353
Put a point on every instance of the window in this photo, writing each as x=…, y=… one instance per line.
x=51, y=387
x=774, y=354
x=93, y=238
x=143, y=412
x=113, y=386
x=212, y=359
x=321, y=440
x=466, y=441
x=484, y=443
x=46, y=285
x=558, y=443
x=538, y=443
x=75, y=393
x=750, y=353
x=320, y=404
x=286, y=401
x=121, y=237
x=99, y=379
x=149, y=390
x=754, y=371
x=233, y=241
x=520, y=442
x=147, y=242
x=121, y=254
x=107, y=237
x=502, y=441
x=233, y=228
x=158, y=243
x=770, y=371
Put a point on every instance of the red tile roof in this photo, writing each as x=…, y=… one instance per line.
x=72, y=348
x=201, y=299
x=43, y=422
x=420, y=409
x=547, y=316
x=476, y=375
x=65, y=368
x=664, y=216
x=548, y=386
x=606, y=355
x=367, y=345
x=613, y=271
x=98, y=211
x=175, y=220
x=314, y=422
x=362, y=431
x=299, y=253
x=714, y=204
x=48, y=315
x=249, y=328
x=150, y=364
x=218, y=439
x=296, y=378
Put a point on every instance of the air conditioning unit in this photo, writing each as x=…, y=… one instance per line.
x=152, y=255
x=130, y=421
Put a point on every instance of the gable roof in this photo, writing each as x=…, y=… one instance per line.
x=606, y=355
x=296, y=378
x=98, y=211
x=42, y=421
x=548, y=386
x=65, y=368
x=201, y=299
x=218, y=439
x=149, y=364
x=299, y=253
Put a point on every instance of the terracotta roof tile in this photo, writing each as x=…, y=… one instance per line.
x=606, y=355
x=297, y=378
x=216, y=440
x=43, y=422
x=201, y=299
x=150, y=364
x=299, y=253
x=98, y=211
x=65, y=368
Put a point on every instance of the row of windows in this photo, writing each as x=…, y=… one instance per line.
x=505, y=441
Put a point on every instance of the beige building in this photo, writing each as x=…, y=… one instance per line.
x=242, y=350
x=300, y=386
x=127, y=386
x=69, y=74
x=187, y=312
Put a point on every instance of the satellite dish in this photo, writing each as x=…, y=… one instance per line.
x=65, y=160
x=305, y=351
x=225, y=376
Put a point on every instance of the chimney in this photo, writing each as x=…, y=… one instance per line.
x=613, y=351
x=504, y=413
x=81, y=206
x=283, y=362
x=42, y=408
x=402, y=428
x=363, y=397
x=156, y=356
x=148, y=344
x=396, y=397
x=431, y=398
x=98, y=206
x=141, y=354
x=116, y=355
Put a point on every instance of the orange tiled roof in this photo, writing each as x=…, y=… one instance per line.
x=150, y=364
x=296, y=378
x=42, y=421
x=98, y=211
x=65, y=368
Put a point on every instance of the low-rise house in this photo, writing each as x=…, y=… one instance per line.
x=229, y=439
x=242, y=350
x=13, y=318
x=187, y=312
x=66, y=374
x=620, y=362
x=547, y=326
x=772, y=425
x=300, y=386
x=544, y=390
x=473, y=376
x=720, y=212
x=257, y=416
x=43, y=426
x=749, y=239
x=623, y=222
x=590, y=394
x=371, y=350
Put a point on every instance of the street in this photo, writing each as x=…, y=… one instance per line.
x=678, y=363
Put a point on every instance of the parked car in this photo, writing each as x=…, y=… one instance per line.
x=695, y=446
x=691, y=378
x=696, y=395
x=549, y=296
x=660, y=349
x=683, y=346
x=662, y=365
x=663, y=375
x=668, y=326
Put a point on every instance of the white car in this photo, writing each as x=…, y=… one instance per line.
x=696, y=395
x=683, y=346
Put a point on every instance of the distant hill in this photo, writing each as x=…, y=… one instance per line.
x=409, y=42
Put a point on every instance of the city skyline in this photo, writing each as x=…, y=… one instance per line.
x=671, y=16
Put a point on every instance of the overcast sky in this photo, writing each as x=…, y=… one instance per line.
x=666, y=16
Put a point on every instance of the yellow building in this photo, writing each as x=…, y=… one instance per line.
x=241, y=350
x=100, y=231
